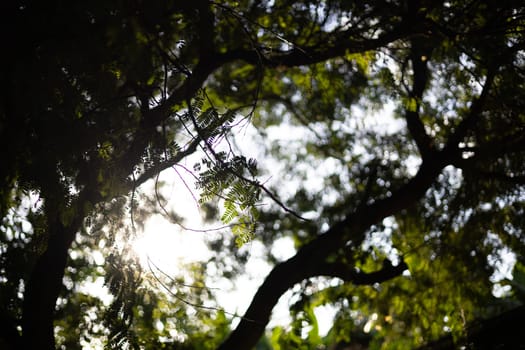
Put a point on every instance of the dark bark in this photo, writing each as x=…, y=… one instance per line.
x=43, y=287
x=349, y=274
x=419, y=57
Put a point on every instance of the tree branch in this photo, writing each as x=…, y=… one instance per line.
x=318, y=52
x=468, y=122
x=305, y=263
x=210, y=61
x=156, y=169
x=419, y=57
x=308, y=258
x=349, y=274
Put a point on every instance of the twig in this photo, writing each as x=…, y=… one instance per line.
x=199, y=306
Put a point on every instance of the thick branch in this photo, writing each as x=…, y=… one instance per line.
x=318, y=52
x=349, y=274
x=418, y=57
x=307, y=260
x=470, y=119
x=305, y=263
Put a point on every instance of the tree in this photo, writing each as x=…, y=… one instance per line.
x=404, y=232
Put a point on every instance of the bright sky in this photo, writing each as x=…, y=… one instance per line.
x=169, y=246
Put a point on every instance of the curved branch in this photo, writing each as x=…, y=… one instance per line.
x=308, y=258
x=418, y=57
x=349, y=274
x=318, y=52
x=474, y=113
x=305, y=263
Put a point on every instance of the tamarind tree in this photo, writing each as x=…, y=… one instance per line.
x=392, y=135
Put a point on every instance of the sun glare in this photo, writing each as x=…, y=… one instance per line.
x=164, y=243
x=167, y=246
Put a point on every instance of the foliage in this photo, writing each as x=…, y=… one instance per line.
x=392, y=155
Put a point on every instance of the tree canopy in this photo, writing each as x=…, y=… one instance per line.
x=392, y=153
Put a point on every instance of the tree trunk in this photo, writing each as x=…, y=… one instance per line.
x=43, y=287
